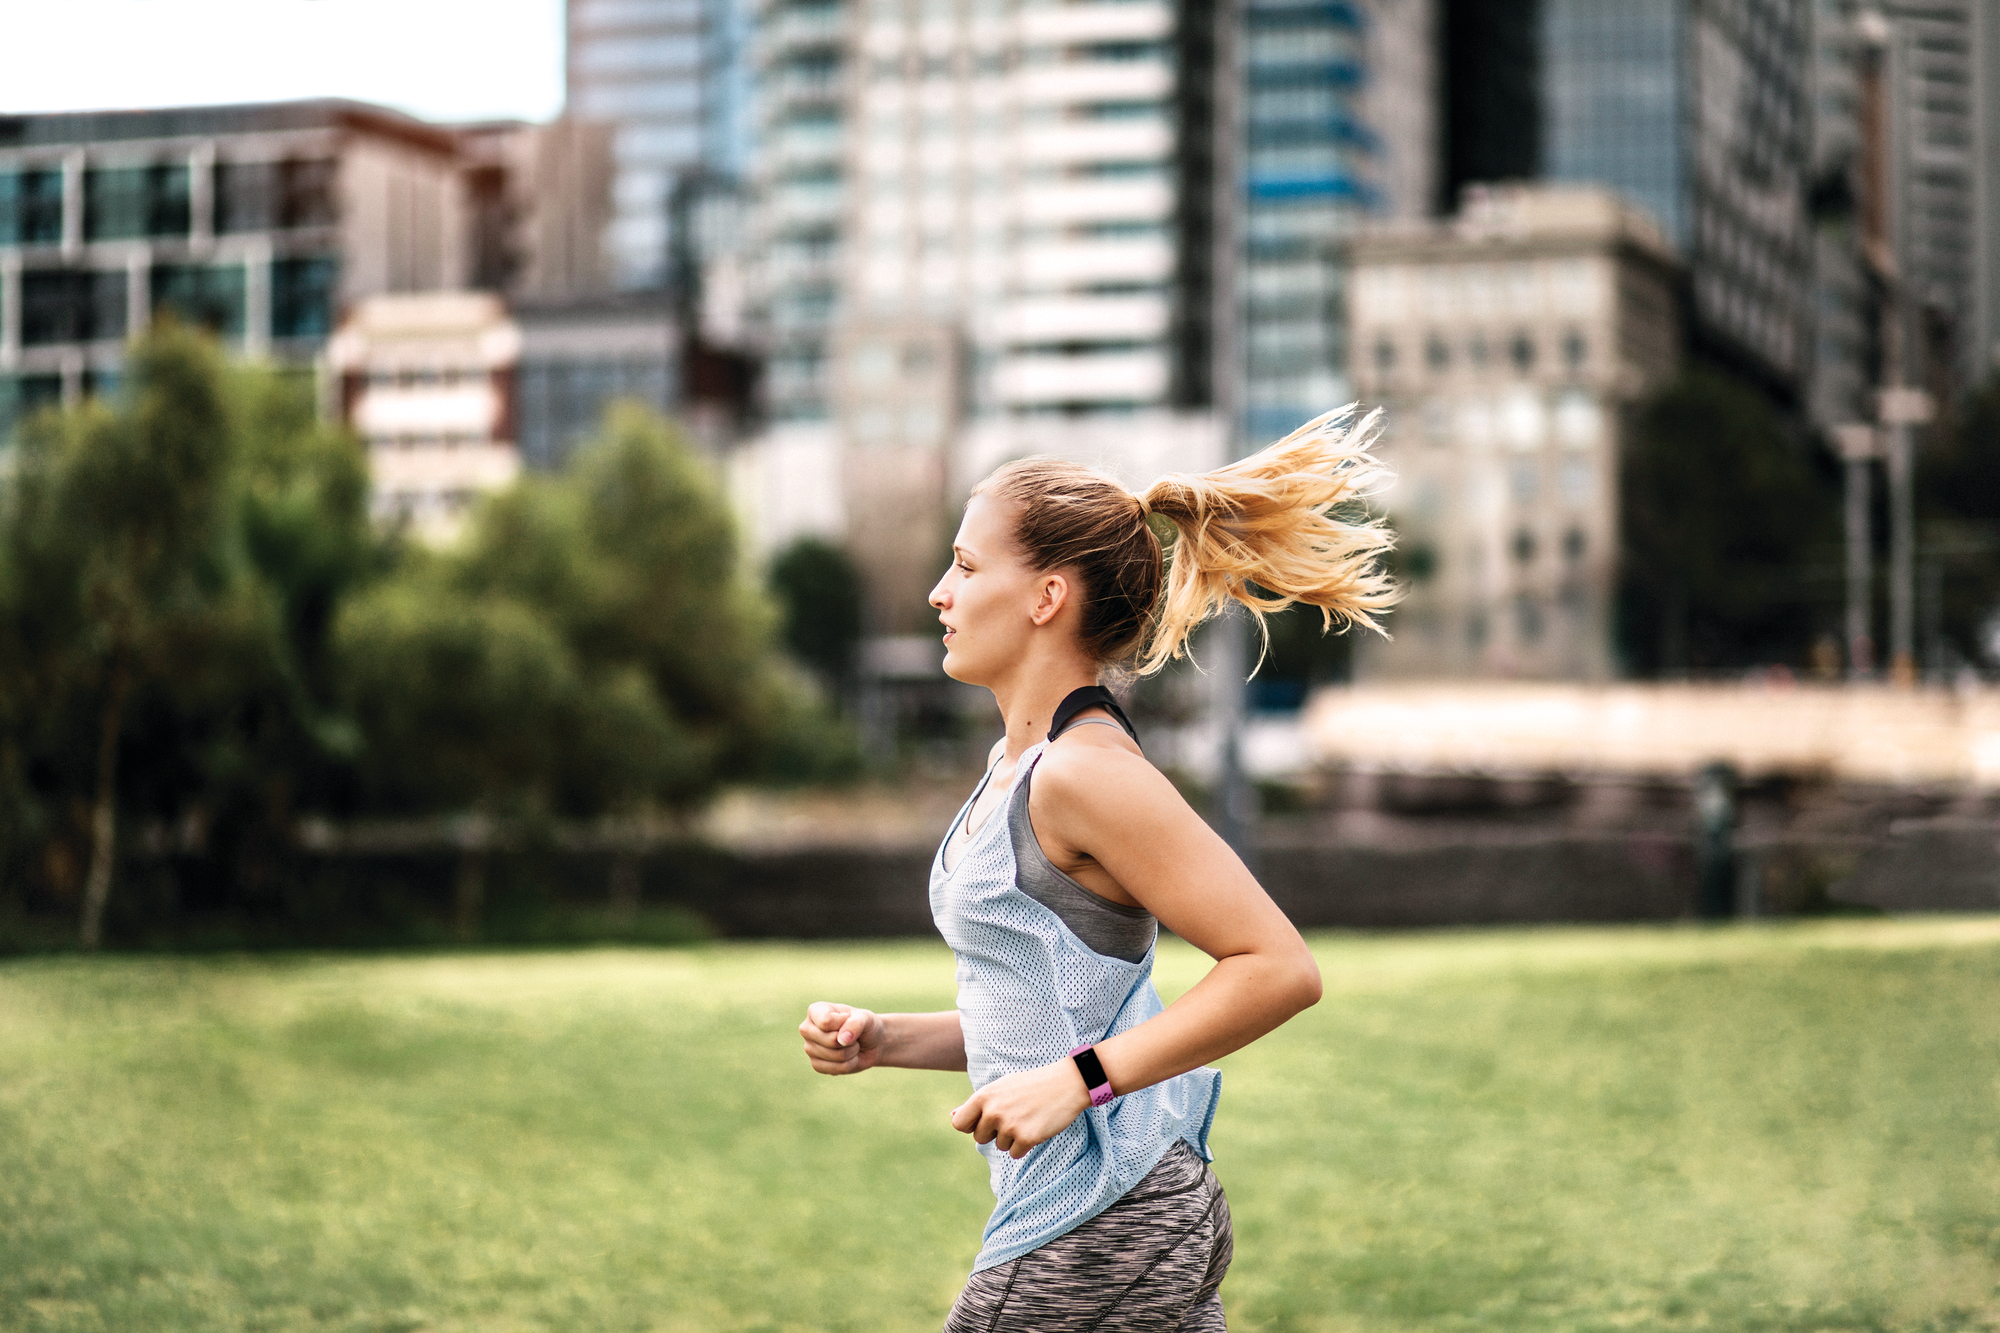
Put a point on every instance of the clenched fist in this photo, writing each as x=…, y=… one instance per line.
x=841, y=1039
x=1023, y=1109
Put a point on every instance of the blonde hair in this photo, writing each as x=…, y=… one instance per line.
x=1267, y=532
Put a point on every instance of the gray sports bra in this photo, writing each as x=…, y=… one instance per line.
x=1109, y=928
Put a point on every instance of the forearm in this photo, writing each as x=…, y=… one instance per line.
x=923, y=1041
x=1243, y=997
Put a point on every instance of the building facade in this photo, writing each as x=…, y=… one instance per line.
x=428, y=383
x=259, y=222
x=671, y=81
x=1907, y=158
x=1505, y=346
x=969, y=229
x=1339, y=125
x=1698, y=111
x=578, y=357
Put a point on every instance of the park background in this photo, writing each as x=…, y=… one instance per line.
x=468, y=480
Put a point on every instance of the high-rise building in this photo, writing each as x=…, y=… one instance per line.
x=1489, y=95
x=258, y=221
x=1697, y=111
x=1339, y=124
x=1906, y=133
x=982, y=230
x=1985, y=339
x=672, y=78
x=1507, y=346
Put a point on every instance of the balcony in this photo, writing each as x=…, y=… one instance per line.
x=1097, y=201
x=1035, y=379
x=796, y=204
x=1099, y=81
x=1056, y=318
x=1067, y=263
x=1112, y=141
x=805, y=25
x=1066, y=25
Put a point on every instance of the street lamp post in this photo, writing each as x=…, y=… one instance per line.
x=1235, y=803
x=1858, y=450
x=1901, y=409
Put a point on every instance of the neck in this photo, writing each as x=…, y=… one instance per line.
x=1029, y=697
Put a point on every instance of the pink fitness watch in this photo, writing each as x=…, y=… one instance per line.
x=1095, y=1080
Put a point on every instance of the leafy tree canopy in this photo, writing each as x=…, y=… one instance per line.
x=1724, y=521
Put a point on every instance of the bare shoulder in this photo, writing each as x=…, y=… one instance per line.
x=1100, y=773
x=993, y=755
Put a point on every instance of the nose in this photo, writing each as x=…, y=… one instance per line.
x=939, y=598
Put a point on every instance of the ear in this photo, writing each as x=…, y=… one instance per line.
x=1051, y=595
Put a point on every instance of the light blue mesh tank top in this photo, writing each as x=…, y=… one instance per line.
x=1029, y=992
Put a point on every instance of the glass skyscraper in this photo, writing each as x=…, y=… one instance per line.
x=1698, y=112
x=1304, y=185
x=673, y=77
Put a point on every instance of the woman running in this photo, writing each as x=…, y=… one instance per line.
x=1091, y=1101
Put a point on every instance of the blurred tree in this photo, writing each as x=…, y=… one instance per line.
x=1958, y=498
x=590, y=647
x=1724, y=518
x=200, y=628
x=122, y=569
x=819, y=594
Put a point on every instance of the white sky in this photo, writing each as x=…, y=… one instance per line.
x=439, y=59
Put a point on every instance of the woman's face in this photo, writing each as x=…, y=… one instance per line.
x=987, y=600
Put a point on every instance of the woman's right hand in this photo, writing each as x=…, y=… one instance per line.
x=841, y=1039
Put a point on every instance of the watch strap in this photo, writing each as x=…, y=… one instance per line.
x=1095, y=1080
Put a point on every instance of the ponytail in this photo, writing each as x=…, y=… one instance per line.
x=1268, y=531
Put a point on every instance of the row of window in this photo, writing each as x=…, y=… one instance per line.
x=1521, y=352
x=131, y=203
x=93, y=305
x=446, y=440
x=449, y=377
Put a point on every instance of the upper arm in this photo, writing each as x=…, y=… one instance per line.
x=1121, y=812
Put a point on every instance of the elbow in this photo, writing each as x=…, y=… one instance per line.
x=1306, y=985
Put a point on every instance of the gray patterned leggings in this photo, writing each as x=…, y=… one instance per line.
x=1150, y=1263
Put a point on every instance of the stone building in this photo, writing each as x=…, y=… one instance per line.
x=428, y=382
x=1506, y=345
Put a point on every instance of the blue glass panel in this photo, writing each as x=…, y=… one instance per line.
x=1310, y=187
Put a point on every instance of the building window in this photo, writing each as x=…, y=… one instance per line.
x=1527, y=618
x=1526, y=479
x=302, y=297
x=210, y=296
x=21, y=396
x=1573, y=544
x=71, y=306
x=123, y=203
x=1524, y=546
x=1385, y=356
x=1574, y=350
x=268, y=196
x=1521, y=351
x=30, y=207
x=1437, y=354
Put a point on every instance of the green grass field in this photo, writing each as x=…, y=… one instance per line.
x=1789, y=1127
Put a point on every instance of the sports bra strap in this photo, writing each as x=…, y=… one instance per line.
x=1090, y=696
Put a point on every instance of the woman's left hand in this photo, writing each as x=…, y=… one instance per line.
x=1023, y=1109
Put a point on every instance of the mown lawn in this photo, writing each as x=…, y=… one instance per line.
x=1786, y=1127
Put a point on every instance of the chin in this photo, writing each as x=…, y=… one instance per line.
x=959, y=669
